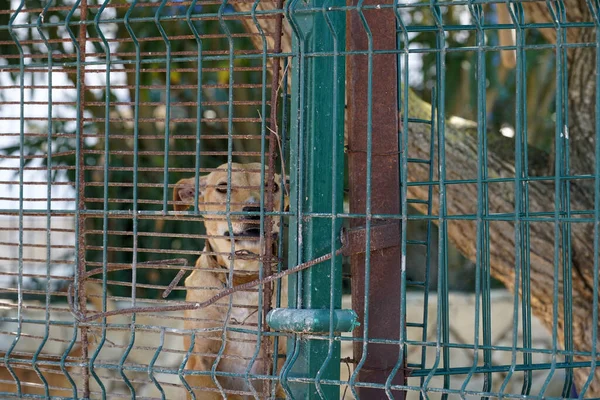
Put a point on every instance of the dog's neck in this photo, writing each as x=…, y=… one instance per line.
x=217, y=261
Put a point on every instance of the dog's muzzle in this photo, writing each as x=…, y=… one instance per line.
x=249, y=232
x=250, y=229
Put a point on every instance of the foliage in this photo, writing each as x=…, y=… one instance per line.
x=461, y=75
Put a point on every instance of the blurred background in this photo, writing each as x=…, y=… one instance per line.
x=179, y=89
x=161, y=129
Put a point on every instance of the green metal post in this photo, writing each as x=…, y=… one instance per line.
x=317, y=145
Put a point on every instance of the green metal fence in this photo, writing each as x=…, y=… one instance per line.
x=400, y=134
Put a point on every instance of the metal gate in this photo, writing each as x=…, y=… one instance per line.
x=266, y=199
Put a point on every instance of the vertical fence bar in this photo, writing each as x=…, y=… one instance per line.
x=442, y=353
x=380, y=318
x=594, y=7
x=106, y=174
x=566, y=259
x=520, y=174
x=518, y=18
x=136, y=146
x=168, y=99
x=313, y=152
x=333, y=348
x=555, y=10
x=46, y=336
x=79, y=43
x=476, y=12
x=21, y=196
x=280, y=248
x=230, y=112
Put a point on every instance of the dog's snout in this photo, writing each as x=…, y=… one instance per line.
x=252, y=209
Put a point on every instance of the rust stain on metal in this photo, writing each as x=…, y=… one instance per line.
x=383, y=236
x=269, y=245
x=350, y=246
x=385, y=278
x=195, y=306
x=81, y=266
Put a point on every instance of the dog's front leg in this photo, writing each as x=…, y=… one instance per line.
x=202, y=285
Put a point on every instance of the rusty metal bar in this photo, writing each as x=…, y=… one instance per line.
x=81, y=251
x=376, y=278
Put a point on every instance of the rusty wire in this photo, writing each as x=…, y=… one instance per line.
x=196, y=306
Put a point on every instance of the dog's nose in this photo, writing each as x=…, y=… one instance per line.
x=252, y=209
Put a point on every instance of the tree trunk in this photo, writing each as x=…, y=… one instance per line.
x=461, y=164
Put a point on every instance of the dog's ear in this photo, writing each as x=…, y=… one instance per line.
x=184, y=192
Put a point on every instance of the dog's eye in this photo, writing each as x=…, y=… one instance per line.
x=275, y=188
x=222, y=187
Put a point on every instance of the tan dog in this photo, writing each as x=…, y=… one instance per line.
x=239, y=239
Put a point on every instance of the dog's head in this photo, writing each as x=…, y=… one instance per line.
x=245, y=192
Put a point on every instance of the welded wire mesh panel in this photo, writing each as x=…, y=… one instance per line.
x=426, y=172
x=116, y=117
x=504, y=193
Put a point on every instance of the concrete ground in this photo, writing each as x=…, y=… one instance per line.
x=461, y=311
x=462, y=329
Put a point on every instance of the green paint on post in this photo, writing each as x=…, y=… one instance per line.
x=317, y=175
